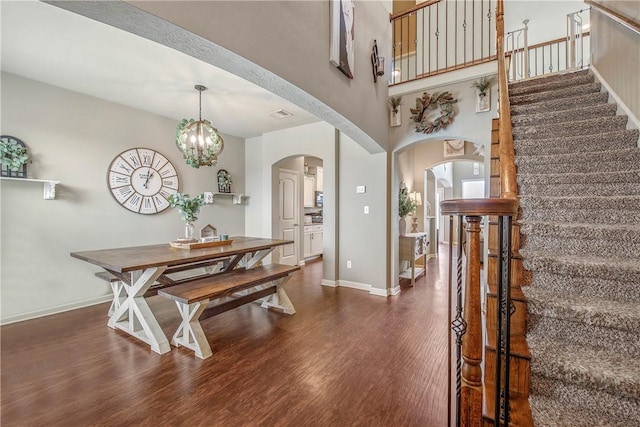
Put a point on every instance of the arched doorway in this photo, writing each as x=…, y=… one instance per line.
x=297, y=214
x=431, y=172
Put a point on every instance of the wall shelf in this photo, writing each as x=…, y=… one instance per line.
x=49, y=185
x=238, y=198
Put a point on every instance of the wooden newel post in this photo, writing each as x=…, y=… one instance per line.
x=471, y=396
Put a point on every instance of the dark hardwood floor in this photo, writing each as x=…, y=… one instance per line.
x=345, y=359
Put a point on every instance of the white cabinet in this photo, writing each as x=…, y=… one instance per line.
x=312, y=240
x=309, y=191
x=319, y=178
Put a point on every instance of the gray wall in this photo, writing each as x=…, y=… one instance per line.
x=362, y=236
x=73, y=138
x=280, y=45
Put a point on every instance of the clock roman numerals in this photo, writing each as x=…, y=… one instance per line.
x=141, y=180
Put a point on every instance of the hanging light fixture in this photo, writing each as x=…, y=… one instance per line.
x=199, y=142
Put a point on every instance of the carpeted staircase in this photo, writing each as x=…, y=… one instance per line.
x=579, y=184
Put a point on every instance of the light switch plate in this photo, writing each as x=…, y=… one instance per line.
x=361, y=189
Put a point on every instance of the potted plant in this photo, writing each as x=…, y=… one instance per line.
x=14, y=156
x=395, y=102
x=483, y=84
x=405, y=207
x=189, y=209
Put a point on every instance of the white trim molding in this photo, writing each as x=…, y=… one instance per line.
x=329, y=283
x=364, y=287
x=394, y=291
x=57, y=309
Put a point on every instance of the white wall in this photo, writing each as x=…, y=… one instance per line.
x=73, y=138
x=262, y=153
x=348, y=233
x=616, y=56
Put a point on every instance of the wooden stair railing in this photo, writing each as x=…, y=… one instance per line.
x=468, y=325
x=501, y=396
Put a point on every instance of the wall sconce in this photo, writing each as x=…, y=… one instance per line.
x=377, y=62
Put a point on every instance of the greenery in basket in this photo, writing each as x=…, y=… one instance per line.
x=406, y=205
x=209, y=157
x=189, y=207
x=14, y=155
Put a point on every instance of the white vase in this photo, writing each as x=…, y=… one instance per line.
x=403, y=227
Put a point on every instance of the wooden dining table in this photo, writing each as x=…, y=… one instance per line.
x=139, y=267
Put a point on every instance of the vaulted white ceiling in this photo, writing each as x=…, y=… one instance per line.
x=54, y=46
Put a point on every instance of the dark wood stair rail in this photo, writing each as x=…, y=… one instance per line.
x=468, y=325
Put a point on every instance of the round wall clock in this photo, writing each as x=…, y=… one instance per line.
x=141, y=180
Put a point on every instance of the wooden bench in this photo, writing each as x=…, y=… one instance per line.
x=117, y=283
x=226, y=291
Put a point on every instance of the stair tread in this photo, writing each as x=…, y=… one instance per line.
x=549, y=412
x=631, y=153
x=569, y=92
x=629, y=135
x=565, y=115
x=581, y=202
x=574, y=264
x=592, y=98
x=596, y=231
x=628, y=176
x=578, y=127
x=593, y=367
x=571, y=80
x=589, y=310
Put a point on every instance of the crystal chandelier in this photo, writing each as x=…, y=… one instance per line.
x=199, y=142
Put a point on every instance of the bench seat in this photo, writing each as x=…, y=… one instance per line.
x=117, y=283
x=229, y=290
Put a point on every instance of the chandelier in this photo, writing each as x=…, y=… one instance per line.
x=199, y=142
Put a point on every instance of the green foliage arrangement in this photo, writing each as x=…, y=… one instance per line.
x=189, y=207
x=14, y=155
x=427, y=102
x=483, y=84
x=405, y=205
x=210, y=156
x=395, y=102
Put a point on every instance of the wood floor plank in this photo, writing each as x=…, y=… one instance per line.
x=346, y=358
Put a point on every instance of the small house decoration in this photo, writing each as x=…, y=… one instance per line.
x=442, y=100
x=14, y=157
x=483, y=93
x=208, y=232
x=395, y=118
x=224, y=181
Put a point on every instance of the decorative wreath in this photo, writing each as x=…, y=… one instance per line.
x=443, y=100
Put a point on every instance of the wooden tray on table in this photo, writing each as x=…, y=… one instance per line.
x=198, y=245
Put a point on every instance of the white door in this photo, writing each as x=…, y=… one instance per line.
x=289, y=216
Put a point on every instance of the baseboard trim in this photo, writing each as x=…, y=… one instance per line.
x=329, y=283
x=56, y=309
x=363, y=287
x=394, y=291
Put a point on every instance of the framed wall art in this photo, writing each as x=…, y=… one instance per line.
x=342, y=35
x=454, y=147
